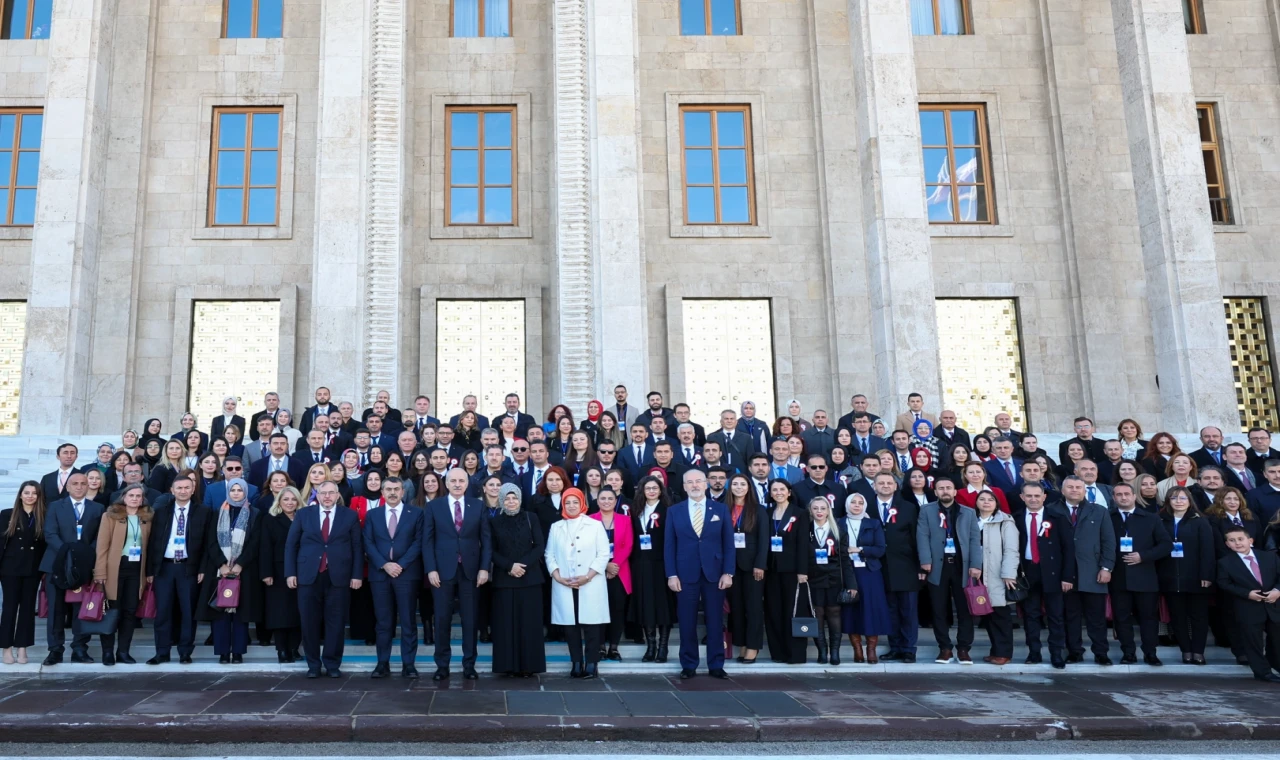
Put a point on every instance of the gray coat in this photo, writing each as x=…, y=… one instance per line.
x=931, y=539
x=60, y=528
x=1095, y=539
x=999, y=555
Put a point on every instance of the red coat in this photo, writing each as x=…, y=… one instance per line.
x=970, y=499
x=623, y=541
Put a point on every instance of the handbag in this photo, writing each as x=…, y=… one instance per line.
x=1021, y=589
x=227, y=596
x=147, y=608
x=803, y=627
x=844, y=597
x=975, y=593
x=102, y=627
x=91, y=608
x=74, y=595
x=42, y=604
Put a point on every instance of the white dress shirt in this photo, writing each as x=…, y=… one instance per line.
x=170, y=550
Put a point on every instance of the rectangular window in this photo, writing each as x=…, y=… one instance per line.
x=13, y=335
x=985, y=378
x=709, y=17
x=235, y=351
x=480, y=350
x=715, y=146
x=480, y=174
x=1251, y=363
x=957, y=169
x=244, y=174
x=1211, y=149
x=26, y=19
x=480, y=18
x=940, y=17
x=243, y=19
x=718, y=374
x=19, y=165
x=1193, y=16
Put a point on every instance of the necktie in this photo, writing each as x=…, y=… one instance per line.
x=696, y=517
x=1253, y=568
x=884, y=512
x=62, y=479
x=1075, y=513
x=1236, y=520
x=1034, y=540
x=264, y=448
x=457, y=515
x=1008, y=468
x=537, y=478
x=639, y=455
x=178, y=553
x=688, y=454
x=317, y=457
x=1093, y=493
x=864, y=446
x=902, y=463
x=1124, y=517
x=780, y=472
x=1247, y=477
x=391, y=531
x=1217, y=456
x=917, y=416
x=79, y=507
x=324, y=536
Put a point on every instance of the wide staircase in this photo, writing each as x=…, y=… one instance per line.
x=29, y=457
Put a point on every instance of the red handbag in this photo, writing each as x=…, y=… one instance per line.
x=147, y=609
x=42, y=605
x=975, y=593
x=92, y=607
x=74, y=595
x=228, y=594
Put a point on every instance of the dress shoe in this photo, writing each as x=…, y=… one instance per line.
x=592, y=671
x=891, y=656
x=224, y=659
x=1270, y=678
x=382, y=670
x=185, y=659
x=1074, y=658
x=944, y=657
x=124, y=658
x=108, y=659
x=470, y=674
x=237, y=659
x=687, y=673
x=576, y=671
x=1129, y=659
x=1059, y=664
x=1186, y=658
x=1034, y=658
x=441, y=674
x=313, y=673
x=908, y=658
x=486, y=638
x=1198, y=659
x=53, y=658
x=718, y=673
x=334, y=673
x=81, y=659
x=282, y=656
x=158, y=659
x=1242, y=660
x=408, y=671
x=1153, y=661
x=1103, y=660
x=998, y=660
x=613, y=656
x=963, y=657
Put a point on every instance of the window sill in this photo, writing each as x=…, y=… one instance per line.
x=720, y=231
x=16, y=233
x=242, y=233
x=970, y=230
x=481, y=232
x=1229, y=228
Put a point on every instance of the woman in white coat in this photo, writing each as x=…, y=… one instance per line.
x=577, y=552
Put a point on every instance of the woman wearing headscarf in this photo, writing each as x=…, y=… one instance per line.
x=122, y=553
x=151, y=432
x=618, y=572
x=516, y=624
x=281, y=602
x=795, y=413
x=589, y=425
x=232, y=550
x=577, y=555
x=868, y=615
x=922, y=438
x=284, y=426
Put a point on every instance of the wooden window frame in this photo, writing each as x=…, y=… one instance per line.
x=214, y=144
x=706, y=19
x=453, y=4
x=1197, y=17
x=11, y=182
x=965, y=19
x=745, y=110
x=984, y=148
x=480, y=185
x=1214, y=146
x=31, y=15
x=253, y=20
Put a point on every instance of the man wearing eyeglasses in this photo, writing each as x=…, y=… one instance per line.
x=216, y=493
x=817, y=484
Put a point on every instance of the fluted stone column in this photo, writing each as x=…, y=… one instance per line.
x=1183, y=290
x=66, y=238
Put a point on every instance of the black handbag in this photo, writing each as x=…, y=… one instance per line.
x=844, y=597
x=803, y=627
x=104, y=627
x=1021, y=588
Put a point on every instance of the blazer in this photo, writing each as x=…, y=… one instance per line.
x=874, y=443
x=624, y=541
x=252, y=432
x=60, y=527
x=1230, y=478
x=870, y=540
x=21, y=553
x=197, y=525
x=736, y=443
x=795, y=556
x=219, y=426
x=1056, y=545
x=1150, y=541
x=1256, y=462
x=112, y=532
x=819, y=441
x=627, y=458
x=931, y=538
x=405, y=549
x=257, y=477
x=1220, y=525
x=644, y=418
x=946, y=441
x=757, y=431
x=442, y=543
x=831, y=488
x=1183, y=575
x=1204, y=458
x=1264, y=502
x=1093, y=448
x=1095, y=540
x=690, y=556
x=1101, y=489
x=308, y=418
x=1235, y=578
x=902, y=560
x=216, y=494
x=49, y=485
x=305, y=547
x=905, y=420
x=792, y=475
x=755, y=555
x=998, y=477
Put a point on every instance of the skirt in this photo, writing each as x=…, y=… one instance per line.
x=516, y=626
x=651, y=600
x=869, y=613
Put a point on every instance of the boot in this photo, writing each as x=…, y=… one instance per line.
x=856, y=642
x=651, y=642
x=664, y=638
x=578, y=671
x=821, y=642
x=872, y=642
x=834, y=637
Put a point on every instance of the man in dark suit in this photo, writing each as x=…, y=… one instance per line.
x=1114, y=455
x=758, y=470
x=277, y=459
x=819, y=438
x=54, y=484
x=322, y=406
x=664, y=456
x=682, y=413
x=421, y=416
x=336, y=437
x=523, y=421
x=636, y=455
x=312, y=452
x=864, y=443
x=219, y=424
x=391, y=425
x=1004, y=423
x=1236, y=472
x=1264, y=501
x=865, y=485
x=393, y=542
x=656, y=409
x=1003, y=471
x=1259, y=450
x=949, y=543
x=456, y=553
x=1135, y=587
x=272, y=403
x=687, y=449
x=948, y=435
x=1030, y=472
x=699, y=556
x=71, y=518
x=1210, y=452
x=859, y=406
x=1047, y=549
x=1095, y=543
x=902, y=572
x=1029, y=447
x=712, y=455
x=732, y=441
x=469, y=403
x=1084, y=436
x=133, y=477
x=259, y=447
x=495, y=465
x=324, y=560
x=385, y=411
x=1252, y=578
x=175, y=553
x=379, y=438
x=818, y=484
x=1094, y=491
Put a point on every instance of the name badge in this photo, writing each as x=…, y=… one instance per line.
x=820, y=555
x=646, y=542
x=180, y=541
x=135, y=553
x=1126, y=544
x=1177, y=550
x=950, y=548
x=775, y=544
x=858, y=561
x=79, y=530
x=610, y=550
x=739, y=540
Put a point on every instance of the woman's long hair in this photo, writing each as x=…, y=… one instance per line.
x=750, y=504
x=18, y=511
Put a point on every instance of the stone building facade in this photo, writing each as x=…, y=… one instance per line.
x=1101, y=232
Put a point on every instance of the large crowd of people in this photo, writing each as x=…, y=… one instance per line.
x=301, y=530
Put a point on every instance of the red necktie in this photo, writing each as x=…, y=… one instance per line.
x=1034, y=539
x=1075, y=513
x=457, y=515
x=324, y=536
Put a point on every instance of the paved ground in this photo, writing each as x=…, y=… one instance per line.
x=138, y=706
x=899, y=750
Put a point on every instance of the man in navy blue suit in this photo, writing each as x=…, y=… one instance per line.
x=456, y=555
x=637, y=454
x=71, y=518
x=699, y=558
x=393, y=541
x=232, y=467
x=324, y=560
x=1004, y=472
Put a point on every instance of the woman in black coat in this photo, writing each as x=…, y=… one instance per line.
x=788, y=567
x=518, y=648
x=1186, y=575
x=22, y=547
x=280, y=602
x=751, y=550
x=652, y=605
x=830, y=573
x=231, y=628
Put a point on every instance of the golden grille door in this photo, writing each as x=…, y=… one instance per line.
x=1251, y=362
x=480, y=350
x=728, y=358
x=986, y=377
x=13, y=335
x=235, y=351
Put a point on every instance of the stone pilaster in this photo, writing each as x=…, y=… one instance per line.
x=338, y=284
x=894, y=230
x=1183, y=291
x=622, y=343
x=67, y=236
